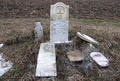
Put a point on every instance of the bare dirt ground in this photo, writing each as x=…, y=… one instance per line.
x=21, y=48
x=88, y=9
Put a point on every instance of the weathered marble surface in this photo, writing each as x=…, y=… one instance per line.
x=87, y=38
x=4, y=65
x=46, y=62
x=59, y=11
x=39, y=30
x=59, y=30
x=99, y=59
x=59, y=23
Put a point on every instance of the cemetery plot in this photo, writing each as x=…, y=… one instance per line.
x=23, y=51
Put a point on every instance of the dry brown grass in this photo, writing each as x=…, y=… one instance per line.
x=22, y=49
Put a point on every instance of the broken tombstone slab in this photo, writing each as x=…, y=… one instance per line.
x=46, y=62
x=99, y=59
x=87, y=38
x=39, y=30
x=4, y=66
x=75, y=56
x=1, y=45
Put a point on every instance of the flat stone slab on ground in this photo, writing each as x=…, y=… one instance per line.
x=99, y=59
x=46, y=62
x=75, y=55
x=86, y=38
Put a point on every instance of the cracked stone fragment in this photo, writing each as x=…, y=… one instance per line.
x=99, y=59
x=75, y=56
x=87, y=38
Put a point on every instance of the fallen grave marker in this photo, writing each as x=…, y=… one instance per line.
x=86, y=38
x=4, y=66
x=99, y=59
x=46, y=62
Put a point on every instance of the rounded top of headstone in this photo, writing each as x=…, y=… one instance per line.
x=38, y=23
x=59, y=3
x=59, y=11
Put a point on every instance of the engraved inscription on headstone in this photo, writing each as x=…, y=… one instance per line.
x=59, y=30
x=59, y=23
x=46, y=62
x=48, y=48
x=59, y=11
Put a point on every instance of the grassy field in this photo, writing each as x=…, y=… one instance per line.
x=21, y=47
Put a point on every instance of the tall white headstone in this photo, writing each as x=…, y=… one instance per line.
x=46, y=62
x=59, y=23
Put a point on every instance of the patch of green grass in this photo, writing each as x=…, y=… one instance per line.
x=21, y=18
x=71, y=18
x=114, y=21
x=4, y=18
x=10, y=27
x=99, y=21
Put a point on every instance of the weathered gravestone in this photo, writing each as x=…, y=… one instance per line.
x=59, y=23
x=4, y=65
x=100, y=59
x=59, y=11
x=46, y=62
x=39, y=30
x=86, y=38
